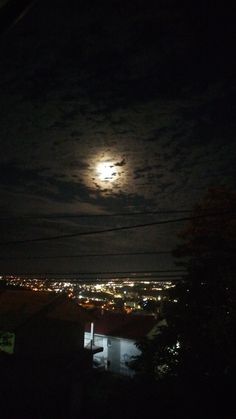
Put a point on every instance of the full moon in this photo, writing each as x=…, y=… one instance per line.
x=106, y=171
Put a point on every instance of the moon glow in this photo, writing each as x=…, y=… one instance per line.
x=106, y=171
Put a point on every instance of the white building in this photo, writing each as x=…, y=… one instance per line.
x=115, y=334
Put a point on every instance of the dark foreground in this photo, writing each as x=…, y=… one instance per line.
x=35, y=390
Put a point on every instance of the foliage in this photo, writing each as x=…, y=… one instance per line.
x=200, y=312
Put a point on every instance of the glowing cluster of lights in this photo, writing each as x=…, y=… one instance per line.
x=105, y=294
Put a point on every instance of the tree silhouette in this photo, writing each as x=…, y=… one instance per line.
x=197, y=338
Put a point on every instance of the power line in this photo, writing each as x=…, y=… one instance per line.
x=116, y=214
x=81, y=255
x=99, y=280
x=70, y=276
x=12, y=12
x=114, y=229
x=108, y=272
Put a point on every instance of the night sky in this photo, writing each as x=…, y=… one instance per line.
x=146, y=88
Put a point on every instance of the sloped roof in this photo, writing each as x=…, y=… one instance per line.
x=127, y=326
x=18, y=307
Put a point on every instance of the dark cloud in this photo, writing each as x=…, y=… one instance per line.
x=147, y=87
x=121, y=163
x=13, y=175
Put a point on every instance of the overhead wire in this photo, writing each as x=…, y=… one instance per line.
x=56, y=276
x=81, y=255
x=113, y=272
x=83, y=215
x=113, y=229
x=12, y=12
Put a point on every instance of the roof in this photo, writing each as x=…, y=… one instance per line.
x=126, y=326
x=18, y=307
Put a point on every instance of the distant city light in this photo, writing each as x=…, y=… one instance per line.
x=116, y=294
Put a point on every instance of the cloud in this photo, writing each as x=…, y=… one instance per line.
x=121, y=163
x=123, y=85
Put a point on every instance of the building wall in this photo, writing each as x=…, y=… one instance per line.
x=49, y=337
x=116, y=352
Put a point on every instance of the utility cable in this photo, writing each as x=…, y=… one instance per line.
x=114, y=229
x=116, y=214
x=110, y=272
x=85, y=255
